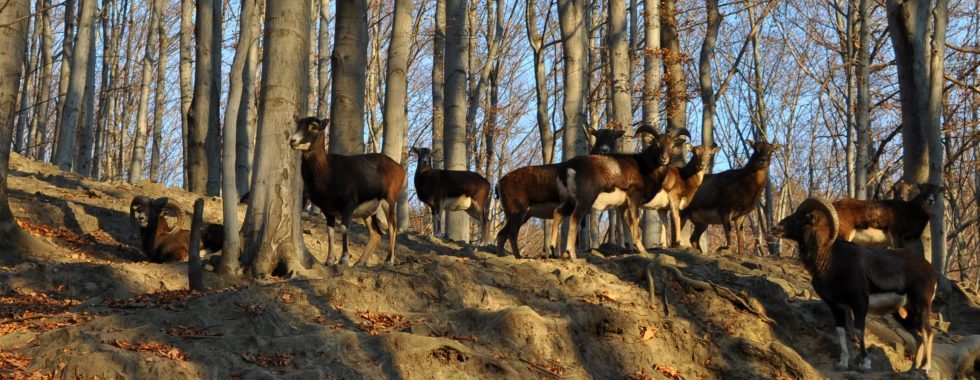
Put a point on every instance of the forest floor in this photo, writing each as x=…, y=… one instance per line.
x=90, y=307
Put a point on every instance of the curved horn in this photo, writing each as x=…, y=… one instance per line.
x=178, y=213
x=820, y=204
x=646, y=128
x=678, y=132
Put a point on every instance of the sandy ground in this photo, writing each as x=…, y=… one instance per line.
x=89, y=307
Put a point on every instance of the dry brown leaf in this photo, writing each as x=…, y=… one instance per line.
x=159, y=349
x=647, y=332
x=668, y=371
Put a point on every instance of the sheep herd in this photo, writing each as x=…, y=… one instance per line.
x=859, y=253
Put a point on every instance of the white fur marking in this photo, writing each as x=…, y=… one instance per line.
x=869, y=236
x=885, y=303
x=844, y=355
x=610, y=200
x=866, y=364
x=459, y=203
x=659, y=201
x=367, y=209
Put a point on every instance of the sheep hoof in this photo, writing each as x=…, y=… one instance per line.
x=865, y=365
x=842, y=365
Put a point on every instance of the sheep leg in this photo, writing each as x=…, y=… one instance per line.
x=727, y=225
x=476, y=212
x=578, y=215
x=696, y=236
x=374, y=229
x=435, y=221
x=392, y=214
x=633, y=218
x=663, y=228
x=738, y=234
x=840, y=320
x=330, y=239
x=860, y=318
x=345, y=220
x=502, y=236
x=555, y=226
x=675, y=215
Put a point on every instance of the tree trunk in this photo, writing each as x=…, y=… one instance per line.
x=454, y=143
x=86, y=142
x=24, y=103
x=245, y=141
x=863, y=127
x=247, y=36
x=676, y=81
x=540, y=84
x=67, y=42
x=186, y=85
x=159, y=103
x=617, y=50
x=213, y=143
x=272, y=233
x=493, y=43
x=348, y=66
x=919, y=50
x=203, y=113
x=396, y=92
x=13, y=39
x=44, y=91
x=323, y=61
x=704, y=77
x=65, y=153
x=139, y=136
x=571, y=20
x=652, y=65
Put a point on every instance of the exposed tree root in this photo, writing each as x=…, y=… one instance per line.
x=664, y=265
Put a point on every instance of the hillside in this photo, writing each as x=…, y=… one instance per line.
x=88, y=307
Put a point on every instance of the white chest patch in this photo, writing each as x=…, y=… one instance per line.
x=659, y=201
x=367, y=209
x=868, y=236
x=885, y=303
x=610, y=200
x=460, y=203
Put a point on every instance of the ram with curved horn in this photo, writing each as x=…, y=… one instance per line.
x=621, y=182
x=888, y=222
x=863, y=280
x=159, y=222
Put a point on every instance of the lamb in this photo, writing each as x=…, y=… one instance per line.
x=678, y=189
x=533, y=191
x=363, y=186
x=876, y=280
x=614, y=182
x=452, y=190
x=891, y=222
x=728, y=197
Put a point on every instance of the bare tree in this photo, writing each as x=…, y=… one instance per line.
x=862, y=109
x=159, y=102
x=454, y=142
x=139, y=136
x=617, y=50
x=44, y=92
x=323, y=61
x=13, y=38
x=65, y=152
x=652, y=74
x=673, y=63
x=396, y=93
x=918, y=34
x=204, y=104
x=348, y=66
x=213, y=143
x=186, y=85
x=67, y=42
x=247, y=117
x=248, y=34
x=272, y=233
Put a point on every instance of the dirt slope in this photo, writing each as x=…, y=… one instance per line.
x=88, y=307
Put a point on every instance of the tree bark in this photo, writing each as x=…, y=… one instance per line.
x=348, y=66
x=396, y=92
x=863, y=127
x=272, y=233
x=186, y=85
x=918, y=34
x=159, y=103
x=673, y=63
x=139, y=136
x=67, y=43
x=213, y=143
x=65, y=153
x=617, y=50
x=536, y=41
x=454, y=143
x=247, y=118
x=86, y=142
x=204, y=104
x=247, y=36
x=651, y=99
x=13, y=39
x=571, y=16
x=44, y=91
x=24, y=102
x=323, y=61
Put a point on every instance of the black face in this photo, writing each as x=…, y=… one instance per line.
x=606, y=141
x=929, y=195
x=792, y=227
x=308, y=130
x=658, y=152
x=424, y=155
x=139, y=211
x=763, y=153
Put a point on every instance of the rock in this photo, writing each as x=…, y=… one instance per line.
x=452, y=297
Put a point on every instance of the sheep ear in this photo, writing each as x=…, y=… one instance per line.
x=751, y=143
x=618, y=134
x=715, y=149
x=777, y=147
x=160, y=202
x=324, y=123
x=295, y=118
